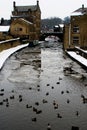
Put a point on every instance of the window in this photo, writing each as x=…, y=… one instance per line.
x=18, y=29
x=75, y=40
x=76, y=29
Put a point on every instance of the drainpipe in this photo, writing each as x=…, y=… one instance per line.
x=69, y=35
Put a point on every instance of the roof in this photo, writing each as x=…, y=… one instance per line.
x=80, y=11
x=4, y=28
x=76, y=13
x=26, y=8
x=22, y=20
x=26, y=21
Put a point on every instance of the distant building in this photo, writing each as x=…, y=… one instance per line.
x=56, y=28
x=26, y=21
x=22, y=28
x=75, y=33
x=4, y=31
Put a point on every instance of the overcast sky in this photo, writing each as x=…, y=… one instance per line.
x=49, y=8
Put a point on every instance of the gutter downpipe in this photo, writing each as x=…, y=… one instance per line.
x=69, y=35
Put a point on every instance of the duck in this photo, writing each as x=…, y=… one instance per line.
x=1, y=103
x=30, y=88
x=84, y=99
x=52, y=87
x=59, y=116
x=34, y=109
x=27, y=106
x=38, y=89
x=44, y=101
x=38, y=111
x=12, y=97
x=47, y=93
x=1, y=94
x=34, y=119
x=68, y=101
x=37, y=103
x=62, y=92
x=67, y=91
x=2, y=89
x=20, y=100
x=48, y=84
x=20, y=96
x=77, y=113
x=58, y=82
x=7, y=104
x=38, y=86
x=54, y=102
x=48, y=126
x=5, y=100
x=56, y=106
x=60, y=78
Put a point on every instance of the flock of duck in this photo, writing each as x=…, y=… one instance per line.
x=35, y=108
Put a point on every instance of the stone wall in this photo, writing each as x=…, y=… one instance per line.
x=9, y=44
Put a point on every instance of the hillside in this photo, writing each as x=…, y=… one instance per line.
x=49, y=23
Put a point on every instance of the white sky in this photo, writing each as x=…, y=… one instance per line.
x=49, y=8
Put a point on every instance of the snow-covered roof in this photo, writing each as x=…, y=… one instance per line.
x=76, y=13
x=26, y=21
x=6, y=53
x=22, y=19
x=61, y=25
x=80, y=11
x=26, y=8
x=4, y=28
x=56, y=26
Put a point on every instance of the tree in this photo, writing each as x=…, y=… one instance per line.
x=67, y=20
x=49, y=23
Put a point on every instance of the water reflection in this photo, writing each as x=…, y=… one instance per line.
x=35, y=92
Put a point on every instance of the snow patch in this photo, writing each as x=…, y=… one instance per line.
x=6, y=53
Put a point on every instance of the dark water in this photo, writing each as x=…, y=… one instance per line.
x=34, y=91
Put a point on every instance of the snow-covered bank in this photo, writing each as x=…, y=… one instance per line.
x=77, y=57
x=85, y=51
x=6, y=53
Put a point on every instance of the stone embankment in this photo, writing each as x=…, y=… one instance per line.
x=9, y=43
x=78, y=55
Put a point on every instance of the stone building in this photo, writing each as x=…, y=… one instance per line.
x=26, y=21
x=75, y=33
x=21, y=28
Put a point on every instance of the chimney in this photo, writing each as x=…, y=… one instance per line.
x=37, y=3
x=14, y=4
x=82, y=8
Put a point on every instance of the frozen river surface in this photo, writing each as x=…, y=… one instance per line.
x=35, y=91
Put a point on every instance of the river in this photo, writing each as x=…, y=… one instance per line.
x=35, y=91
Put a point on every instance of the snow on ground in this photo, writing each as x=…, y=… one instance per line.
x=6, y=53
x=79, y=58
